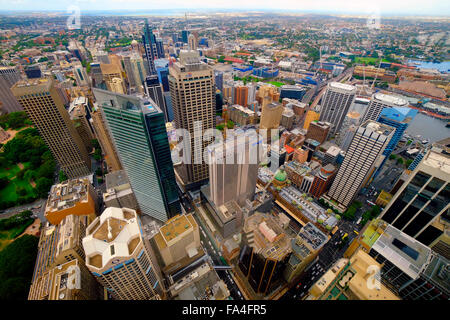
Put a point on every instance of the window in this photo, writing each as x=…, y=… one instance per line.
x=406, y=249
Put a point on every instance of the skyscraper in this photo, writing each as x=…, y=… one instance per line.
x=192, y=42
x=105, y=141
x=233, y=168
x=148, y=39
x=363, y=155
x=192, y=90
x=335, y=104
x=120, y=258
x=423, y=199
x=399, y=118
x=380, y=101
x=80, y=74
x=138, y=129
x=310, y=117
x=152, y=86
x=8, y=77
x=42, y=102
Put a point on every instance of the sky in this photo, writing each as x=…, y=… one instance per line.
x=384, y=7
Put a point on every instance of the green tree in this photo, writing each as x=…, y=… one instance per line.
x=62, y=176
x=16, y=267
x=43, y=186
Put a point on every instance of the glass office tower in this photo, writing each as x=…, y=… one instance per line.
x=139, y=133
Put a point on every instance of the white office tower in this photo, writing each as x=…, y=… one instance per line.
x=363, y=155
x=380, y=101
x=233, y=167
x=336, y=103
x=121, y=258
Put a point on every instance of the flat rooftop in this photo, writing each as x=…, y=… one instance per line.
x=176, y=226
x=269, y=239
x=313, y=236
x=390, y=99
x=342, y=86
x=67, y=194
x=116, y=178
x=439, y=161
x=408, y=254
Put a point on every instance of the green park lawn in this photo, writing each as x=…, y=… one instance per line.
x=367, y=60
x=276, y=83
x=9, y=193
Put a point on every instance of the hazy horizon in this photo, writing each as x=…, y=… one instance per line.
x=438, y=8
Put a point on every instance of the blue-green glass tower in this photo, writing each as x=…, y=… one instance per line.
x=399, y=118
x=138, y=129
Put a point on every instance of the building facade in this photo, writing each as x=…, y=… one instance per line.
x=43, y=105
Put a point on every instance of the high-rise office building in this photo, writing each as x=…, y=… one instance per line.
x=153, y=89
x=118, y=191
x=310, y=117
x=322, y=180
x=410, y=269
x=399, y=118
x=81, y=76
x=265, y=252
x=335, y=104
x=348, y=279
x=240, y=95
x=348, y=129
x=305, y=248
x=136, y=71
x=193, y=100
x=152, y=86
x=43, y=104
x=233, y=168
x=185, y=35
x=33, y=71
x=120, y=258
x=423, y=200
x=8, y=77
x=60, y=246
x=105, y=141
x=218, y=76
x=380, y=101
x=148, y=39
x=139, y=132
x=75, y=196
x=271, y=114
x=112, y=76
x=318, y=131
x=192, y=42
x=363, y=155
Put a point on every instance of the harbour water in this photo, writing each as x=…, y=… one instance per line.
x=442, y=66
x=429, y=128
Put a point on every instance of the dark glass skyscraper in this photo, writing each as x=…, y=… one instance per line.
x=149, y=41
x=139, y=133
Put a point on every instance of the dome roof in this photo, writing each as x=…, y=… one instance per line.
x=281, y=175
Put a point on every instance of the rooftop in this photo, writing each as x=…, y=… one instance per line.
x=439, y=161
x=343, y=86
x=390, y=99
x=176, y=226
x=67, y=194
x=116, y=233
x=269, y=238
x=405, y=252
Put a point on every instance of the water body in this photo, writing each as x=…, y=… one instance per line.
x=442, y=66
x=430, y=128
